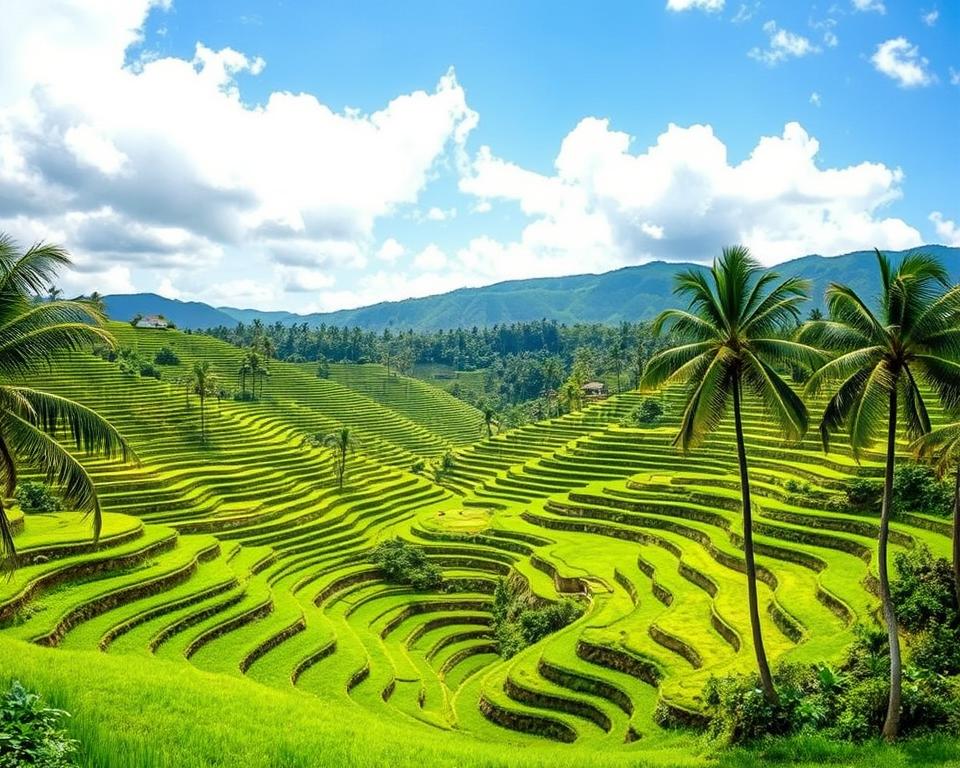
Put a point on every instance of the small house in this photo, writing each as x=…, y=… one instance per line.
x=594, y=389
x=152, y=321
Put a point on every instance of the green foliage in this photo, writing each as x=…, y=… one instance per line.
x=926, y=603
x=916, y=488
x=405, y=563
x=36, y=497
x=520, y=620
x=31, y=734
x=863, y=495
x=323, y=368
x=132, y=364
x=650, y=412
x=166, y=356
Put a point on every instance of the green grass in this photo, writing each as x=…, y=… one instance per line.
x=244, y=623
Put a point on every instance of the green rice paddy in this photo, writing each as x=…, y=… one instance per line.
x=230, y=613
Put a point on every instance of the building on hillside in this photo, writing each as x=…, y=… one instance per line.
x=594, y=389
x=152, y=321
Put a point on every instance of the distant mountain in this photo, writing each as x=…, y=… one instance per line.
x=185, y=314
x=631, y=293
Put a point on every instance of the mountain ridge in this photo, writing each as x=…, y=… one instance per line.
x=628, y=293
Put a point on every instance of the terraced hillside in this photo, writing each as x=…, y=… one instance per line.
x=241, y=557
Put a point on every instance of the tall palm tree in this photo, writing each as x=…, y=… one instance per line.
x=878, y=361
x=730, y=337
x=31, y=421
x=203, y=383
x=942, y=446
x=616, y=356
x=342, y=443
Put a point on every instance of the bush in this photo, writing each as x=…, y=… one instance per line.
x=926, y=604
x=323, y=368
x=864, y=495
x=36, y=497
x=650, y=412
x=405, y=563
x=520, y=620
x=166, y=356
x=106, y=352
x=31, y=733
x=917, y=489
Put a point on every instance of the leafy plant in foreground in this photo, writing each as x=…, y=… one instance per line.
x=31, y=734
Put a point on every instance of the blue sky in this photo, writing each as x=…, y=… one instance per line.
x=525, y=149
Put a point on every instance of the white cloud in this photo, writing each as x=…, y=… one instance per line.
x=679, y=199
x=947, y=230
x=930, y=17
x=440, y=214
x=685, y=5
x=161, y=163
x=900, y=60
x=876, y=6
x=482, y=206
x=783, y=45
x=954, y=76
x=390, y=251
x=430, y=259
x=815, y=99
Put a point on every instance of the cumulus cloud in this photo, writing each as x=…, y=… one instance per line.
x=947, y=230
x=876, y=6
x=816, y=99
x=159, y=162
x=930, y=17
x=430, y=259
x=954, y=76
x=686, y=5
x=390, y=251
x=782, y=45
x=900, y=60
x=680, y=199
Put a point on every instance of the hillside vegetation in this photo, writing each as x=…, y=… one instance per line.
x=238, y=556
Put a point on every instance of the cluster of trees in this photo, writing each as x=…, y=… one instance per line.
x=741, y=330
x=542, y=364
x=520, y=619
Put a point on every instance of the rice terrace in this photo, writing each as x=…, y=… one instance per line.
x=604, y=488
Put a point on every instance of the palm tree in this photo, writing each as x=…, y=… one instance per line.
x=942, y=446
x=490, y=420
x=616, y=356
x=32, y=421
x=731, y=336
x=877, y=362
x=203, y=383
x=342, y=443
x=242, y=372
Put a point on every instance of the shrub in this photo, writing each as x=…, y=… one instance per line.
x=106, y=352
x=864, y=495
x=405, y=563
x=649, y=412
x=36, y=497
x=166, y=356
x=31, y=733
x=520, y=620
x=917, y=489
x=926, y=604
x=323, y=368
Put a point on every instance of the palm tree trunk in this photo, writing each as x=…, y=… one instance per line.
x=956, y=534
x=203, y=425
x=891, y=725
x=766, y=679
